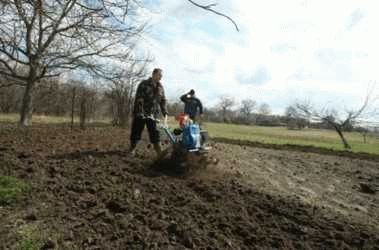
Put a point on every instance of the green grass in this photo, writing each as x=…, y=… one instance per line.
x=281, y=135
x=30, y=244
x=31, y=237
x=11, y=189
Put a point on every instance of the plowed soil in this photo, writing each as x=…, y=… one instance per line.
x=87, y=193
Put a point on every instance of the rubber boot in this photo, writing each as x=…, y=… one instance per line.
x=132, y=149
x=158, y=148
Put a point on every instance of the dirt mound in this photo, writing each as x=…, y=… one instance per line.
x=88, y=194
x=175, y=160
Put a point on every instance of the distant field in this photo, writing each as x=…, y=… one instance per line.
x=271, y=135
x=36, y=118
x=281, y=135
x=43, y=119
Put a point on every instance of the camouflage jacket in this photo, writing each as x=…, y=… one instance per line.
x=150, y=99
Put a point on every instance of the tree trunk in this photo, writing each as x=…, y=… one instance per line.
x=124, y=118
x=27, y=105
x=224, y=115
x=73, y=106
x=83, y=112
x=344, y=141
x=123, y=112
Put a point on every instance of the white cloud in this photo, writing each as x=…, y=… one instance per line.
x=355, y=18
x=300, y=48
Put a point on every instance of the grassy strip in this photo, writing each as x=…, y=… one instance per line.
x=301, y=148
x=326, y=139
x=11, y=189
x=31, y=237
x=43, y=119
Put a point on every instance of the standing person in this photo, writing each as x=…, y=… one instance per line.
x=150, y=101
x=192, y=105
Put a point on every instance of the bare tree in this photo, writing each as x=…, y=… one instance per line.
x=225, y=106
x=363, y=131
x=50, y=97
x=122, y=88
x=246, y=109
x=264, y=109
x=43, y=38
x=9, y=95
x=87, y=96
x=339, y=122
x=293, y=119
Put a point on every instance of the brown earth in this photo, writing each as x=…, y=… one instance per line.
x=88, y=194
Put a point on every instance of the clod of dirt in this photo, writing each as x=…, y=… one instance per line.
x=173, y=228
x=48, y=245
x=90, y=241
x=158, y=224
x=367, y=188
x=115, y=207
x=177, y=161
x=137, y=193
x=29, y=170
x=23, y=155
x=31, y=217
x=188, y=240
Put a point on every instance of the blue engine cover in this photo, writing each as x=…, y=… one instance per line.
x=191, y=136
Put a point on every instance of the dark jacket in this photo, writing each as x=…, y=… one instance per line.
x=150, y=99
x=192, y=105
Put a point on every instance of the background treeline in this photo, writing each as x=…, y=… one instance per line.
x=113, y=101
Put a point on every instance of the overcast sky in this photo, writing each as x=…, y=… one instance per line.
x=319, y=50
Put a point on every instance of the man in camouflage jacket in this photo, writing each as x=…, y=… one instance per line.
x=150, y=102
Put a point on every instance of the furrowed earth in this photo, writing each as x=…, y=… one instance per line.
x=87, y=193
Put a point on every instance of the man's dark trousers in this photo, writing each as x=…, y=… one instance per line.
x=138, y=125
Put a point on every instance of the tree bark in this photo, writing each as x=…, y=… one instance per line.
x=27, y=105
x=83, y=112
x=344, y=141
x=124, y=111
x=73, y=107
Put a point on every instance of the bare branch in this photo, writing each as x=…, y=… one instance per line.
x=209, y=7
x=21, y=12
